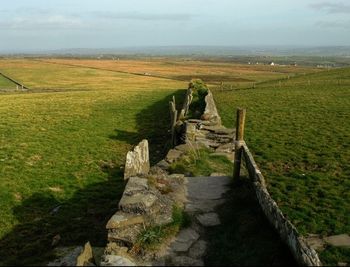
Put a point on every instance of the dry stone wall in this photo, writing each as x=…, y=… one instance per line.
x=301, y=251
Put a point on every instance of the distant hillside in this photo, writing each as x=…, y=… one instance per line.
x=343, y=51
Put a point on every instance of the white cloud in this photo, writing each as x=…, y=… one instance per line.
x=333, y=24
x=144, y=16
x=42, y=22
x=331, y=7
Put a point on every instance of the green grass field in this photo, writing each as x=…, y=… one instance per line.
x=299, y=131
x=63, y=144
x=62, y=153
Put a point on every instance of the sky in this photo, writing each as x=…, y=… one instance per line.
x=60, y=24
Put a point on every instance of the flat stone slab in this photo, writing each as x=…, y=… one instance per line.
x=115, y=260
x=226, y=148
x=197, y=251
x=342, y=240
x=126, y=236
x=220, y=130
x=209, y=219
x=315, y=242
x=203, y=205
x=121, y=219
x=135, y=184
x=184, y=240
x=137, y=203
x=207, y=187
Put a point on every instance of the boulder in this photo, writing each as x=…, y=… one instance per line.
x=137, y=161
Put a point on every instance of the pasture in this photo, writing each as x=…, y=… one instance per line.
x=63, y=143
x=62, y=153
x=299, y=129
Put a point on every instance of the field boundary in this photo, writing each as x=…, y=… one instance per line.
x=302, y=252
x=14, y=81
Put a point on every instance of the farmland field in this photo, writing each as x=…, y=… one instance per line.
x=63, y=143
x=61, y=153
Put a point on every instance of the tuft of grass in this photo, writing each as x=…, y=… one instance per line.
x=201, y=163
x=332, y=256
x=152, y=237
x=200, y=90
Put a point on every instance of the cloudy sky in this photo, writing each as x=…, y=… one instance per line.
x=57, y=24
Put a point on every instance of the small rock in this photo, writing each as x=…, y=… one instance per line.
x=163, y=164
x=55, y=240
x=115, y=260
x=342, y=240
x=173, y=155
x=68, y=259
x=197, y=251
x=86, y=257
x=209, y=219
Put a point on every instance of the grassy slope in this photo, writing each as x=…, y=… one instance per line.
x=66, y=149
x=299, y=132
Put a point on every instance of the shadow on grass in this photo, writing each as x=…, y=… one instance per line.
x=82, y=217
x=245, y=237
x=155, y=130
x=77, y=220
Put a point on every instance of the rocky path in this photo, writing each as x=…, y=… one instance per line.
x=204, y=194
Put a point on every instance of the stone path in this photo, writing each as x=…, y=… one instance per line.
x=204, y=194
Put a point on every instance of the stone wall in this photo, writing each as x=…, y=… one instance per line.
x=14, y=81
x=301, y=251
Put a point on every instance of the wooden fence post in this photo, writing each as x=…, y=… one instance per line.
x=240, y=120
x=173, y=119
